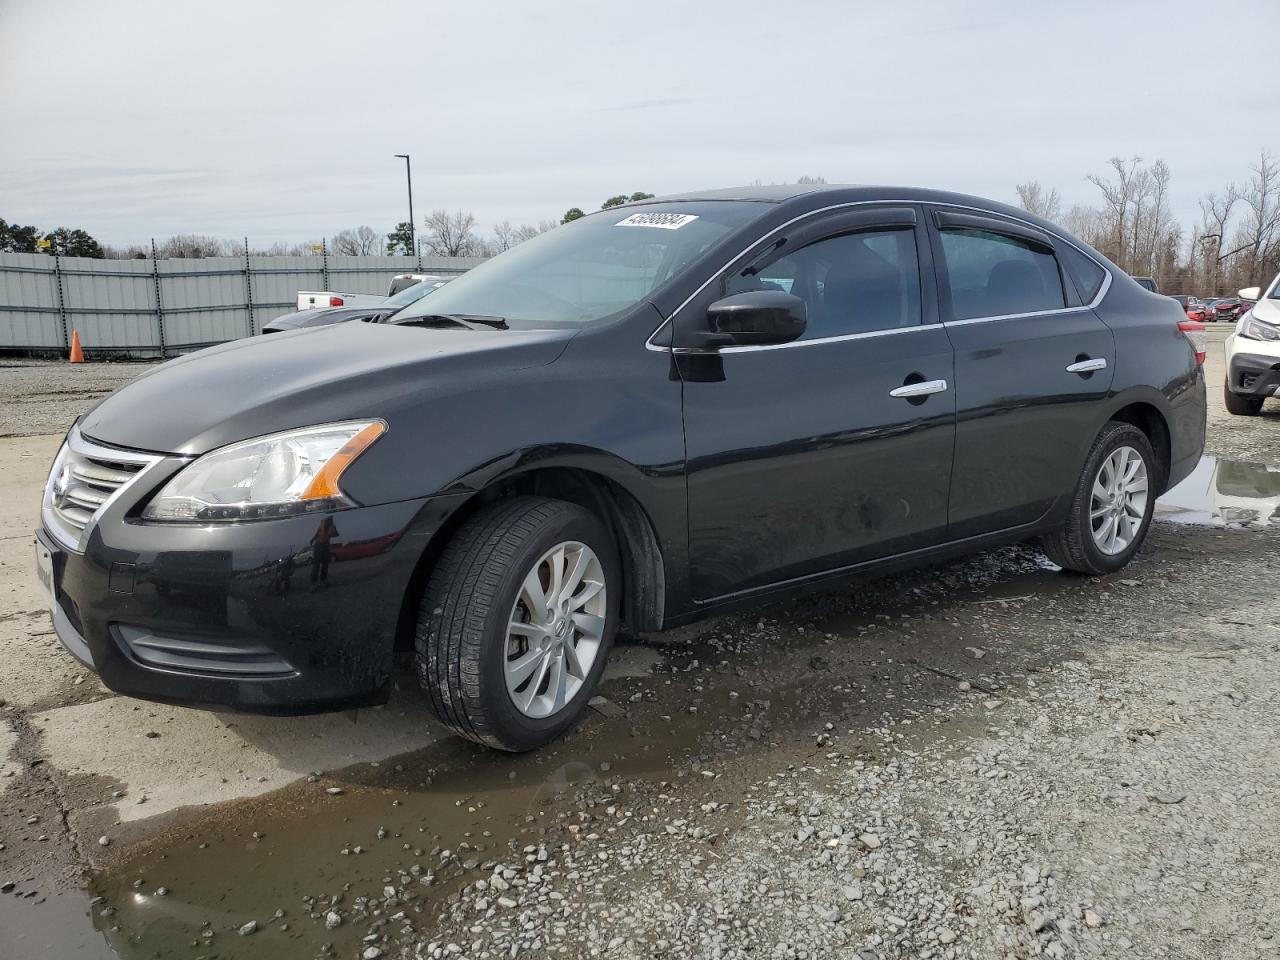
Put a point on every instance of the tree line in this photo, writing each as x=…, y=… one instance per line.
x=1235, y=242
x=445, y=234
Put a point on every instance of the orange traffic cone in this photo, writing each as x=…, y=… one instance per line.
x=77, y=355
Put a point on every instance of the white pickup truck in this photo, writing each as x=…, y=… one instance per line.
x=323, y=299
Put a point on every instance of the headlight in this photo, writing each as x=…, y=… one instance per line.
x=275, y=476
x=1255, y=329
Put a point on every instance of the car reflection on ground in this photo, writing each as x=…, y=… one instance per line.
x=1228, y=492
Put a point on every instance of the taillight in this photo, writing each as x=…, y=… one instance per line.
x=1193, y=330
x=335, y=301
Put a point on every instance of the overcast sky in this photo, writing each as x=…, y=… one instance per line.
x=279, y=120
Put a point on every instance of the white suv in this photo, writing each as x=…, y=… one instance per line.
x=1253, y=352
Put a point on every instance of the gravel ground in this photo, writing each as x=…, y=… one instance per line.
x=42, y=396
x=1117, y=799
x=989, y=759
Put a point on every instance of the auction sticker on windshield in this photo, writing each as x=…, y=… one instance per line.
x=663, y=221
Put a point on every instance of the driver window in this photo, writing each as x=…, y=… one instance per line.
x=855, y=283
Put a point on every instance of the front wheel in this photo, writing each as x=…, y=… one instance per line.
x=517, y=620
x=1241, y=406
x=1111, y=506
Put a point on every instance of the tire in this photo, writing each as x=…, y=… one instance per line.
x=464, y=635
x=1241, y=406
x=1076, y=547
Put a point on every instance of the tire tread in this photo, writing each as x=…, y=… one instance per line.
x=458, y=602
x=1066, y=546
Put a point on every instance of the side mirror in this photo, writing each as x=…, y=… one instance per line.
x=1250, y=293
x=756, y=318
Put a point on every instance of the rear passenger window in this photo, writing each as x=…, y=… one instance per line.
x=993, y=275
x=856, y=283
x=1085, y=272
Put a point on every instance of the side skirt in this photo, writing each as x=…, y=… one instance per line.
x=881, y=566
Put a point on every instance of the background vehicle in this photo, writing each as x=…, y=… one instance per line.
x=1146, y=283
x=1230, y=308
x=1253, y=352
x=1211, y=315
x=1193, y=308
x=371, y=313
x=647, y=415
x=325, y=299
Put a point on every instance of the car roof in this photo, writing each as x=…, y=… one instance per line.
x=804, y=197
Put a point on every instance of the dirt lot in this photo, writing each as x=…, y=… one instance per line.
x=984, y=760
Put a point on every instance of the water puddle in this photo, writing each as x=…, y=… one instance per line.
x=1225, y=493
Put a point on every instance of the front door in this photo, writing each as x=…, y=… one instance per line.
x=836, y=448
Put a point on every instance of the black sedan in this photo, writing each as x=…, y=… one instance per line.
x=642, y=417
x=323, y=316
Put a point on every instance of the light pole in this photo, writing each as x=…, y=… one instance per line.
x=408, y=173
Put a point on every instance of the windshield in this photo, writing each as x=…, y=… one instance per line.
x=415, y=293
x=589, y=268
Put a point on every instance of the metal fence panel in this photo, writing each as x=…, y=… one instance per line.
x=276, y=282
x=161, y=307
x=111, y=303
x=202, y=301
x=29, y=289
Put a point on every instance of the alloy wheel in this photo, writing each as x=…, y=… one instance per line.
x=555, y=629
x=1118, y=502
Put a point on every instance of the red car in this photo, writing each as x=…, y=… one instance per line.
x=1195, y=310
x=1230, y=309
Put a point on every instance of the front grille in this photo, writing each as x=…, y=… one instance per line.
x=85, y=476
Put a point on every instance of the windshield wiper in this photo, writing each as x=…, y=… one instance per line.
x=469, y=320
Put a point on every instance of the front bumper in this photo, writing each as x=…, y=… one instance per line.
x=260, y=616
x=1253, y=374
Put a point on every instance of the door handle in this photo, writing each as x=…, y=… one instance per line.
x=1087, y=366
x=921, y=389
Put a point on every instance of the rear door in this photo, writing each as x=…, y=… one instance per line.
x=1032, y=361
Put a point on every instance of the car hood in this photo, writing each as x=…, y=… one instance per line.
x=319, y=317
x=260, y=385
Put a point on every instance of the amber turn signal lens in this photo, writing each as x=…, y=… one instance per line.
x=325, y=484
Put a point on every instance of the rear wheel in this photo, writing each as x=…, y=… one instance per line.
x=517, y=620
x=1111, y=505
x=1241, y=406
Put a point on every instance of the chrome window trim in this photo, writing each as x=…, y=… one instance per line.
x=1031, y=313
x=76, y=541
x=864, y=335
x=1098, y=297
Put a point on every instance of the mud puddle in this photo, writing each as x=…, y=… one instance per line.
x=383, y=856
x=1225, y=493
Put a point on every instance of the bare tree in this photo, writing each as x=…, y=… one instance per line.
x=1086, y=223
x=1260, y=232
x=1152, y=222
x=504, y=236
x=357, y=242
x=452, y=234
x=527, y=231
x=131, y=252
x=282, y=249
x=1035, y=199
x=1117, y=196
x=1207, y=243
x=190, y=246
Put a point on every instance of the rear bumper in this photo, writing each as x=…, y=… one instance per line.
x=1253, y=374
x=254, y=616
